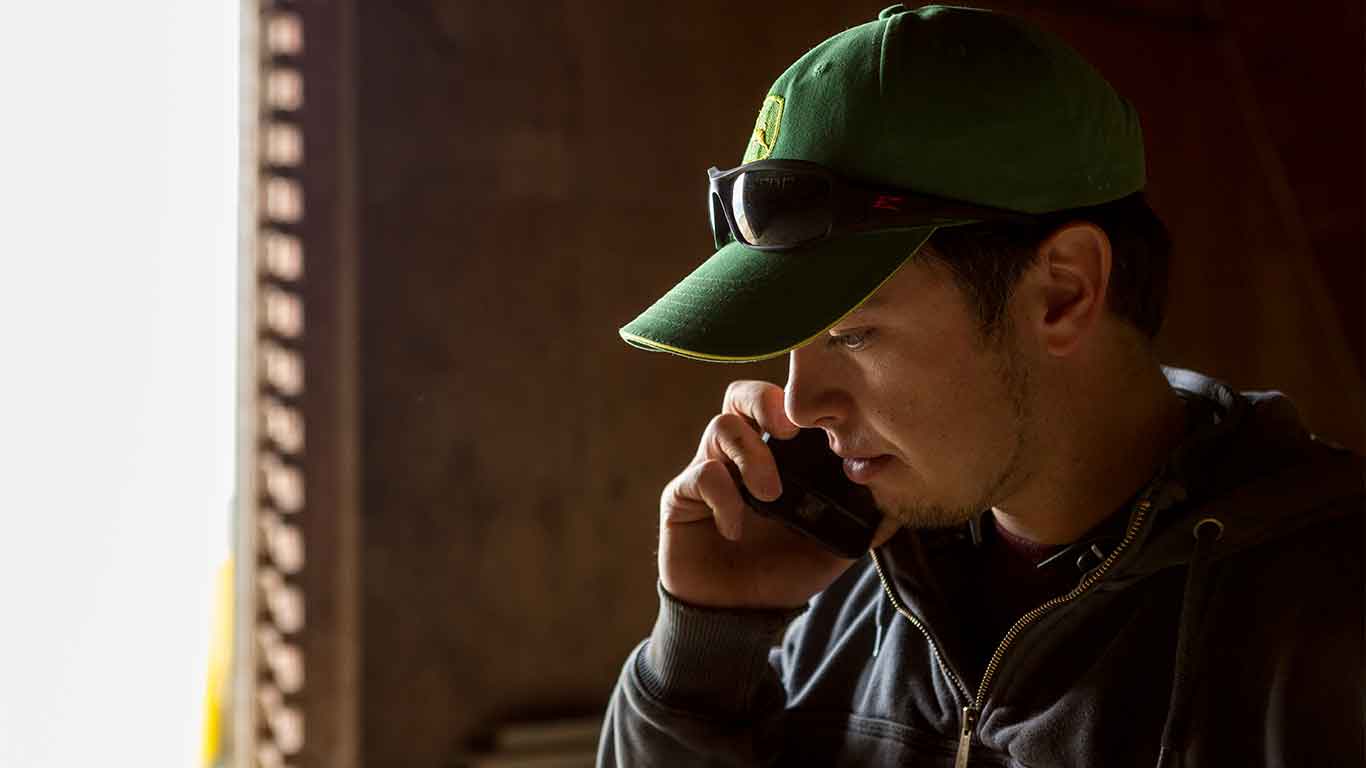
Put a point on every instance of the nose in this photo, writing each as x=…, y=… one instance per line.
x=812, y=397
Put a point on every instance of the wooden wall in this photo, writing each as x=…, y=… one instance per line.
x=531, y=175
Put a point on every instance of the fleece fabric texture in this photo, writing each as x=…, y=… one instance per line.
x=1270, y=615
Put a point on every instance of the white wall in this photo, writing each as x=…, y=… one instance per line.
x=118, y=143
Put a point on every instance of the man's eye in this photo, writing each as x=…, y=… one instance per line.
x=852, y=340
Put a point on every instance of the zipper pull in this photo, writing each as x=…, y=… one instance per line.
x=965, y=737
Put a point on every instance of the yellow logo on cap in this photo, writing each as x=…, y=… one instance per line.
x=765, y=130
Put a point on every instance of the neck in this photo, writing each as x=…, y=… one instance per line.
x=1097, y=446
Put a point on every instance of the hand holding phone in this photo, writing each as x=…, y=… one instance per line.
x=818, y=500
x=716, y=549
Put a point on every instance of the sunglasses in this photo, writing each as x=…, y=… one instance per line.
x=777, y=205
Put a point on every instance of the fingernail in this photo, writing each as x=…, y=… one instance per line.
x=773, y=488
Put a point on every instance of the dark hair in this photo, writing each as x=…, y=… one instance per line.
x=987, y=259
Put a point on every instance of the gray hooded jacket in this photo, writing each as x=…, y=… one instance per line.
x=1233, y=643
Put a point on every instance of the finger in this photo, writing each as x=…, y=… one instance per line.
x=762, y=403
x=730, y=437
x=705, y=490
x=718, y=489
x=681, y=502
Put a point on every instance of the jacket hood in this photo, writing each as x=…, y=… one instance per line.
x=1248, y=464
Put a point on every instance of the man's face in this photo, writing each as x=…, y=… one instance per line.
x=911, y=378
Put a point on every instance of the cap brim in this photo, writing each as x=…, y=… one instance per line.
x=743, y=305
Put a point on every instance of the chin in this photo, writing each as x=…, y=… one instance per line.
x=915, y=511
x=891, y=492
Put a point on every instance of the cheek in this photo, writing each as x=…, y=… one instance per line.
x=946, y=418
x=914, y=407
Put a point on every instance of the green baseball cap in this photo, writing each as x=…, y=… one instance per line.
x=958, y=103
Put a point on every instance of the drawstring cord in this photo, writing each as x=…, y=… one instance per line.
x=877, y=625
x=1207, y=531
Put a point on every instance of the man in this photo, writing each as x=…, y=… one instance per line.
x=1084, y=558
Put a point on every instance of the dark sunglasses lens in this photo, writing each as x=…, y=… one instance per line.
x=781, y=208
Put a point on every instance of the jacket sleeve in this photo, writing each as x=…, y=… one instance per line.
x=703, y=689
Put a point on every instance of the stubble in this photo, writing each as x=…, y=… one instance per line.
x=1014, y=376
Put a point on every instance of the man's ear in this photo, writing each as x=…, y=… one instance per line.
x=1069, y=284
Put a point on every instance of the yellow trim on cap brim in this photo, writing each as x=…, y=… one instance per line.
x=650, y=344
x=655, y=346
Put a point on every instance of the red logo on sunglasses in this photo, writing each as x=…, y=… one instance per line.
x=888, y=202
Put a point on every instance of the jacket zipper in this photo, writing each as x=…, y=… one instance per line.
x=974, y=710
x=904, y=611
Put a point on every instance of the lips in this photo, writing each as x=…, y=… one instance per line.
x=859, y=464
x=861, y=470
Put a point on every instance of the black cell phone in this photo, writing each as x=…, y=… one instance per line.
x=818, y=499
